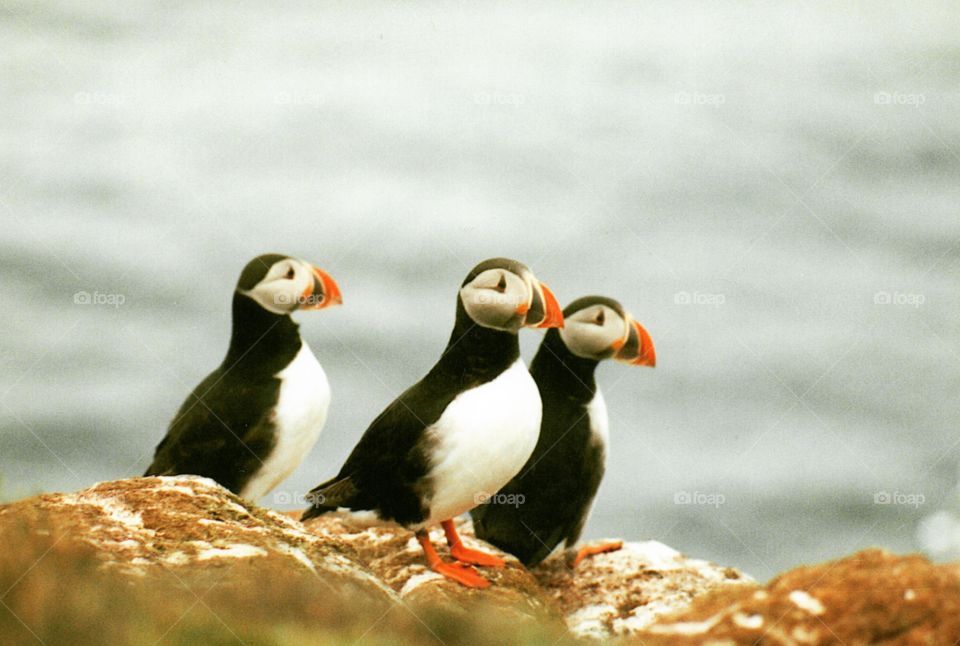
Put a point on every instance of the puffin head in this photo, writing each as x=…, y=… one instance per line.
x=599, y=328
x=282, y=284
x=503, y=294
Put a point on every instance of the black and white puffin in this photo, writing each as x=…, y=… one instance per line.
x=551, y=497
x=253, y=419
x=462, y=431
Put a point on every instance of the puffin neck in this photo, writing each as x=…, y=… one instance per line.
x=476, y=354
x=260, y=340
x=567, y=373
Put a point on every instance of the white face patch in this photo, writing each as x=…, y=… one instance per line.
x=494, y=297
x=591, y=332
x=284, y=287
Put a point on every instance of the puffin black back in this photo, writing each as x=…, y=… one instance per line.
x=474, y=355
x=261, y=342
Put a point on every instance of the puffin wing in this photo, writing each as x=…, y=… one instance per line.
x=386, y=469
x=213, y=436
x=188, y=435
x=582, y=499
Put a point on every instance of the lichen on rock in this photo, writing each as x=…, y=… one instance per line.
x=187, y=522
x=622, y=592
x=165, y=545
x=869, y=597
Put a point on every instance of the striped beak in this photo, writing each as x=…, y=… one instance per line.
x=323, y=293
x=544, y=310
x=636, y=348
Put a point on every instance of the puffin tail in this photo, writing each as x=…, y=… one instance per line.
x=338, y=492
x=156, y=470
x=315, y=510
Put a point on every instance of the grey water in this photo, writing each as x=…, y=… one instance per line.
x=770, y=188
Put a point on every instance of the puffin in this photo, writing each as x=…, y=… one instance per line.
x=551, y=497
x=249, y=424
x=462, y=431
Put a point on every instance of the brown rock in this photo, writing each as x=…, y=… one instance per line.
x=867, y=598
x=609, y=594
x=620, y=593
x=187, y=523
x=340, y=568
x=394, y=556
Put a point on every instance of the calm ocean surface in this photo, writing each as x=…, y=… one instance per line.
x=771, y=189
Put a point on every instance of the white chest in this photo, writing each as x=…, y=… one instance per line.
x=599, y=421
x=299, y=416
x=482, y=440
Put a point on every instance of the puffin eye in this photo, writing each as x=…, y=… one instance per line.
x=502, y=285
x=599, y=320
x=291, y=273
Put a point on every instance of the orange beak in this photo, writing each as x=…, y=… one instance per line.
x=324, y=292
x=637, y=349
x=648, y=354
x=554, y=316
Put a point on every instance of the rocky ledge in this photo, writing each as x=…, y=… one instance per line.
x=188, y=527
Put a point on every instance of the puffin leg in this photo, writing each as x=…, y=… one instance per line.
x=463, y=574
x=462, y=553
x=593, y=550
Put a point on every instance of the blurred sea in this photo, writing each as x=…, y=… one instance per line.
x=771, y=188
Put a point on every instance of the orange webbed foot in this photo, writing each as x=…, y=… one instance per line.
x=462, y=553
x=475, y=557
x=462, y=574
x=593, y=550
